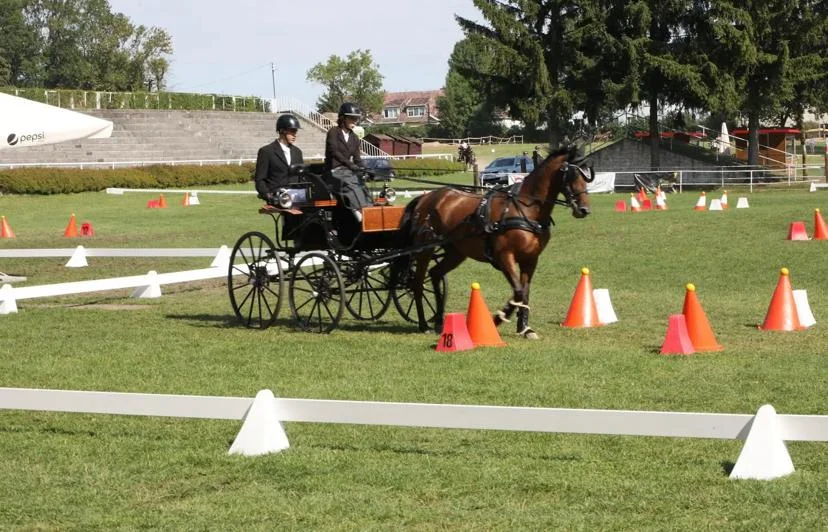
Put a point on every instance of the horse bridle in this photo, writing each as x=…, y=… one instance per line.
x=569, y=176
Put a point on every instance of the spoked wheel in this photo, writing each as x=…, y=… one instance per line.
x=316, y=290
x=367, y=289
x=254, y=280
x=403, y=293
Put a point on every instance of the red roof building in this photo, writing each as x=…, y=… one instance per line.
x=411, y=108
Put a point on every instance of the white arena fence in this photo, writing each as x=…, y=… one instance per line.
x=79, y=254
x=763, y=456
x=724, y=177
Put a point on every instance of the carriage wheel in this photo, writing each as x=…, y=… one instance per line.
x=316, y=290
x=254, y=280
x=403, y=294
x=367, y=289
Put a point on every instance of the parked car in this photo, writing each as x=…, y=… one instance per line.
x=496, y=173
x=382, y=169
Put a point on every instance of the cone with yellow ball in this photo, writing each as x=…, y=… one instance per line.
x=479, y=322
x=698, y=328
x=782, y=314
x=820, y=230
x=583, y=312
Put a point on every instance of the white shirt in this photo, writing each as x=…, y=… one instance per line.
x=286, y=150
x=346, y=135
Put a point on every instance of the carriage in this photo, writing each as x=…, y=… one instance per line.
x=323, y=260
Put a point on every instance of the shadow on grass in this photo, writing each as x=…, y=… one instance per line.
x=727, y=467
x=228, y=321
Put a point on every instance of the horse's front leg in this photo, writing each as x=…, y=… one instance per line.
x=510, y=271
x=523, y=329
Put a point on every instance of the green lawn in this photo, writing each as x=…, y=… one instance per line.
x=94, y=472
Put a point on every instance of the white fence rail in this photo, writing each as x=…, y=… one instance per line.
x=269, y=411
x=79, y=254
x=725, y=177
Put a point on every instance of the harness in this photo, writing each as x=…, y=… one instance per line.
x=508, y=222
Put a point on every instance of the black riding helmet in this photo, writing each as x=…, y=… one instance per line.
x=287, y=122
x=350, y=109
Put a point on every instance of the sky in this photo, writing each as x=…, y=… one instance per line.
x=227, y=47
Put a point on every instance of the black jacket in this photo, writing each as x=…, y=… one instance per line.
x=339, y=153
x=272, y=171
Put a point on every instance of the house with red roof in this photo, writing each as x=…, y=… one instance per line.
x=408, y=108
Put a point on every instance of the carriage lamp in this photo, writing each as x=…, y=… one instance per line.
x=284, y=198
x=389, y=194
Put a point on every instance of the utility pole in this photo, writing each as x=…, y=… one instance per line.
x=273, y=78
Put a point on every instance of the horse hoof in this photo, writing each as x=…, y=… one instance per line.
x=531, y=335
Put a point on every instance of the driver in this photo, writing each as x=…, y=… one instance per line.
x=343, y=163
x=274, y=160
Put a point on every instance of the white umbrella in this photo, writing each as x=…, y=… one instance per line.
x=724, y=140
x=28, y=123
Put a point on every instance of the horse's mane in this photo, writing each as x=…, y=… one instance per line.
x=570, y=151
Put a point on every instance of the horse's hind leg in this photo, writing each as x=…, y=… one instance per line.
x=451, y=260
x=421, y=267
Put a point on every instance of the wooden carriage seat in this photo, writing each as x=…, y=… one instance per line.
x=383, y=218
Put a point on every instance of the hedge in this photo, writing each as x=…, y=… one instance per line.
x=425, y=167
x=68, y=180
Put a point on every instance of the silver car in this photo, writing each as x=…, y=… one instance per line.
x=496, y=173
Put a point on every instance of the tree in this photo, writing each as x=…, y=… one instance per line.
x=5, y=69
x=533, y=58
x=81, y=44
x=464, y=108
x=355, y=78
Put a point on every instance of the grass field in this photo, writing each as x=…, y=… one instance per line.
x=85, y=472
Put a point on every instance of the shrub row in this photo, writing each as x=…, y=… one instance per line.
x=67, y=180
x=424, y=167
x=79, y=99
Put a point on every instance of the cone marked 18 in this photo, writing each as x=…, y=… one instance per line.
x=455, y=336
x=677, y=340
x=697, y=325
x=5, y=229
x=782, y=314
x=71, y=230
x=820, y=229
x=479, y=322
x=582, y=311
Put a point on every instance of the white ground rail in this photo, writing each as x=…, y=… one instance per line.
x=764, y=455
x=79, y=254
x=146, y=286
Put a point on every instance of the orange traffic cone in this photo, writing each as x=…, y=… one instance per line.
x=5, y=230
x=701, y=204
x=820, y=229
x=724, y=199
x=697, y=325
x=162, y=203
x=479, y=322
x=634, y=205
x=186, y=200
x=782, y=314
x=642, y=195
x=455, y=336
x=677, y=340
x=582, y=311
x=71, y=230
x=661, y=203
x=620, y=206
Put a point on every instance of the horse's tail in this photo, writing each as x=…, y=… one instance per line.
x=407, y=231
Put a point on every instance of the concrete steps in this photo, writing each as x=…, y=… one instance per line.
x=164, y=135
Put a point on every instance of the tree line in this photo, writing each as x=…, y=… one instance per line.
x=79, y=44
x=545, y=60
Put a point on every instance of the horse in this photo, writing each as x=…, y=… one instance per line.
x=508, y=227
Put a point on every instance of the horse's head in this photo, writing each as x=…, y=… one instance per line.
x=575, y=180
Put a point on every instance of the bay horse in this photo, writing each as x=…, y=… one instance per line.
x=507, y=227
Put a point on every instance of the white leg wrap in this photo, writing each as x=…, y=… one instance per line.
x=519, y=305
x=502, y=316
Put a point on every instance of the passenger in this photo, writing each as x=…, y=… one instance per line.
x=275, y=159
x=343, y=164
